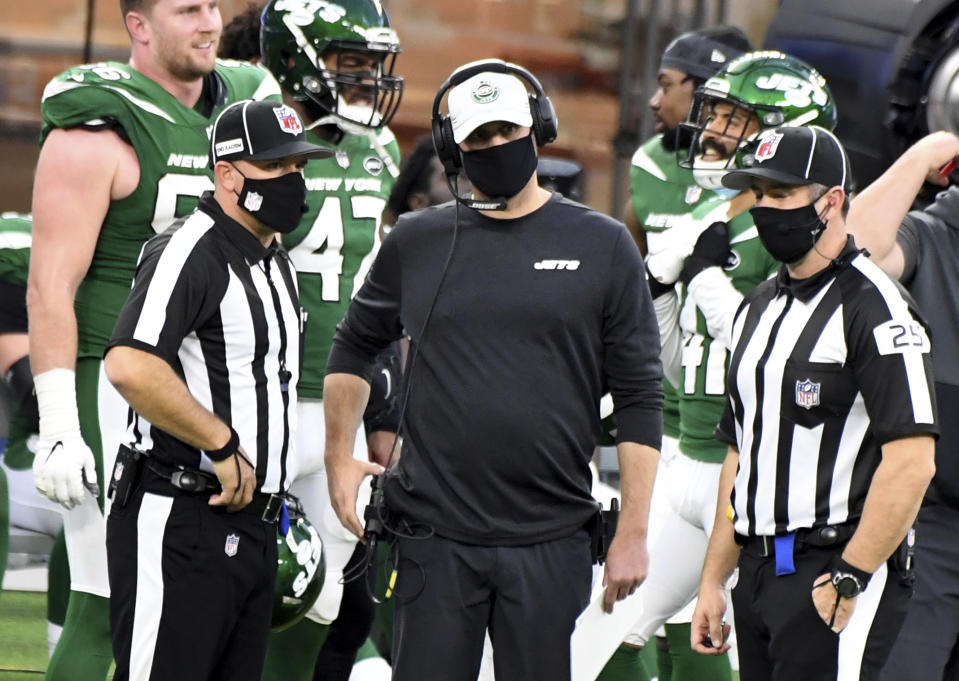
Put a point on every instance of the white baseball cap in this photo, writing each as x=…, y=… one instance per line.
x=487, y=97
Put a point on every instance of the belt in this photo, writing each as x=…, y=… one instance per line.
x=172, y=480
x=815, y=537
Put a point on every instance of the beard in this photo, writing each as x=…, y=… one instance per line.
x=184, y=67
x=677, y=138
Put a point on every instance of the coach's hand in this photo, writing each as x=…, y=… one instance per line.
x=834, y=610
x=708, y=631
x=344, y=476
x=64, y=469
x=627, y=564
x=238, y=480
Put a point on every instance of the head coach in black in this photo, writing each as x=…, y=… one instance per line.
x=831, y=421
x=207, y=351
x=523, y=308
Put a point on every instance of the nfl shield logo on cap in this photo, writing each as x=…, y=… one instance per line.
x=807, y=394
x=232, y=543
x=288, y=120
x=768, y=145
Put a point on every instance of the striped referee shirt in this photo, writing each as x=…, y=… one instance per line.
x=822, y=373
x=223, y=311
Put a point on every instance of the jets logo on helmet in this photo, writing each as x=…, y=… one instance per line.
x=758, y=91
x=337, y=58
x=300, y=570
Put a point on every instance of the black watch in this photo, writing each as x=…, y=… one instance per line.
x=847, y=584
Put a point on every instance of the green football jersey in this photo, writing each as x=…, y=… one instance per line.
x=334, y=246
x=702, y=393
x=172, y=145
x=14, y=265
x=663, y=193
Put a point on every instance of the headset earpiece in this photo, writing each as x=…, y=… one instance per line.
x=446, y=148
x=544, y=119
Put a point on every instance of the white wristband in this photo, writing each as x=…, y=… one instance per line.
x=57, y=399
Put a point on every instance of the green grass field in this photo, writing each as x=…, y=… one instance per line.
x=23, y=635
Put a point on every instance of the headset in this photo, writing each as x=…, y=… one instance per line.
x=545, y=127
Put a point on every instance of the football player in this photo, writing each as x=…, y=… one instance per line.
x=335, y=64
x=124, y=152
x=662, y=194
x=716, y=257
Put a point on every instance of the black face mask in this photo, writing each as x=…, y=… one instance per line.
x=503, y=170
x=277, y=202
x=788, y=234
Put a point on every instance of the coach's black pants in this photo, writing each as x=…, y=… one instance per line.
x=782, y=638
x=448, y=594
x=191, y=589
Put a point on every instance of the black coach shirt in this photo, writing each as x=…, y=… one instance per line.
x=223, y=311
x=823, y=372
x=536, y=318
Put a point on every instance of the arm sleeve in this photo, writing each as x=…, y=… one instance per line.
x=173, y=294
x=891, y=358
x=631, y=358
x=372, y=320
x=666, y=307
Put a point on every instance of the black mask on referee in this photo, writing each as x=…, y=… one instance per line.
x=277, y=202
x=788, y=233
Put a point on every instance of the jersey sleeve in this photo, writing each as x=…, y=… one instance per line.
x=890, y=352
x=176, y=289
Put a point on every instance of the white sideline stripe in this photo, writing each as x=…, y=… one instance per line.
x=853, y=639
x=151, y=526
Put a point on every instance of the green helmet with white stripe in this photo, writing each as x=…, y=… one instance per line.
x=304, y=42
x=775, y=88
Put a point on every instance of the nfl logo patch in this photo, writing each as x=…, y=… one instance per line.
x=253, y=201
x=767, y=146
x=693, y=192
x=288, y=120
x=232, y=542
x=807, y=394
x=118, y=471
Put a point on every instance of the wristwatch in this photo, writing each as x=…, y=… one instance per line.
x=847, y=584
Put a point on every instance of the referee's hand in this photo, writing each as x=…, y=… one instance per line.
x=833, y=610
x=238, y=480
x=708, y=631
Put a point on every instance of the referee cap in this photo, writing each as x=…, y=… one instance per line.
x=792, y=156
x=261, y=131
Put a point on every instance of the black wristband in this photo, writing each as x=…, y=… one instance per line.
x=656, y=287
x=226, y=450
x=839, y=564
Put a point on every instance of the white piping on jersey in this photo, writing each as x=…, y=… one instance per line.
x=643, y=161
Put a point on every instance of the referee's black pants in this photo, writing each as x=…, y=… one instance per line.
x=781, y=637
x=448, y=594
x=191, y=589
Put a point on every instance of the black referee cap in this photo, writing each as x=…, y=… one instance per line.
x=792, y=156
x=703, y=52
x=261, y=131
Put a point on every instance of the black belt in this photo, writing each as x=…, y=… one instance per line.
x=173, y=481
x=815, y=537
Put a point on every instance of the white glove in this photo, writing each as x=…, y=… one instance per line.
x=62, y=467
x=63, y=464
x=670, y=248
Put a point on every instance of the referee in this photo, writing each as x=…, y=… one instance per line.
x=207, y=350
x=830, y=418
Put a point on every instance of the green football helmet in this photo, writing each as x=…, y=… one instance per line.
x=309, y=45
x=770, y=87
x=300, y=569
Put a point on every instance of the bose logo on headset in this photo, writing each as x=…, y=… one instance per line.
x=540, y=108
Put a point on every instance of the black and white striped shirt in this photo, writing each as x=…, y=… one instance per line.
x=224, y=312
x=823, y=372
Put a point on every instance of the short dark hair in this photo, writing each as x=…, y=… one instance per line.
x=241, y=37
x=415, y=175
x=127, y=6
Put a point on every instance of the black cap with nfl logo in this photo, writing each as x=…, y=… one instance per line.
x=793, y=156
x=261, y=131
